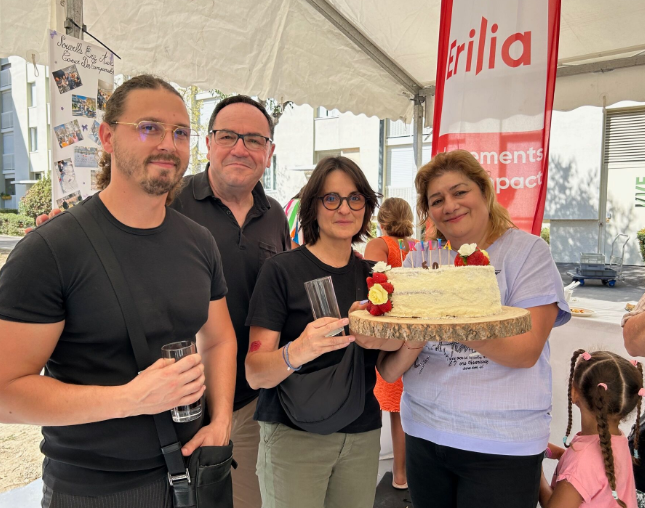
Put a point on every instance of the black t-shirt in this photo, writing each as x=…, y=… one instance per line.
x=264, y=233
x=53, y=274
x=280, y=304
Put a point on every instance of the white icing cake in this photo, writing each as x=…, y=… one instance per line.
x=449, y=291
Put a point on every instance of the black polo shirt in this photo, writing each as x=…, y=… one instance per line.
x=264, y=233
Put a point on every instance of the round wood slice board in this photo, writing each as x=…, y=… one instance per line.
x=511, y=321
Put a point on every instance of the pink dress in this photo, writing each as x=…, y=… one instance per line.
x=582, y=465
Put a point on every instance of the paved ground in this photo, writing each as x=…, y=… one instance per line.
x=600, y=331
x=8, y=242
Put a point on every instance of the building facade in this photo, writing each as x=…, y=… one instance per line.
x=24, y=128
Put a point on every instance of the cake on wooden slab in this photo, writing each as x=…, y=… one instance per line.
x=466, y=289
x=449, y=291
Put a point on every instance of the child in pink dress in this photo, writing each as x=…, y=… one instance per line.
x=596, y=469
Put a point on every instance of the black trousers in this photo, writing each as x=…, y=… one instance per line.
x=152, y=495
x=444, y=477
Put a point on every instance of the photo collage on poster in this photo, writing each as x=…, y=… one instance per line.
x=83, y=81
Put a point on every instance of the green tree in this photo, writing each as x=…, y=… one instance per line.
x=38, y=199
x=641, y=242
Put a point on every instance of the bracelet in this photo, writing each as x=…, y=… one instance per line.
x=285, y=357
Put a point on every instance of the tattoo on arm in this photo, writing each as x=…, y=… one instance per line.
x=255, y=345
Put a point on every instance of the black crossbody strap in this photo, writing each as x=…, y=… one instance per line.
x=170, y=445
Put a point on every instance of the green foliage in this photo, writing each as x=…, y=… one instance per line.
x=372, y=229
x=545, y=234
x=38, y=199
x=641, y=242
x=13, y=224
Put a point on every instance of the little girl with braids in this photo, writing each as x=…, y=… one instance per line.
x=596, y=469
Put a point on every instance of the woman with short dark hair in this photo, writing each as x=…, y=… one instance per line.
x=306, y=461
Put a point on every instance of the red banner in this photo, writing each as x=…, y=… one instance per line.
x=494, y=94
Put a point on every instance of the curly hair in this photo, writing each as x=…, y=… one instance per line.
x=461, y=161
x=114, y=108
x=395, y=217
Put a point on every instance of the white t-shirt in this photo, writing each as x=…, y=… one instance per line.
x=455, y=397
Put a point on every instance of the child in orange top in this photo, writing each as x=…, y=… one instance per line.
x=395, y=218
x=596, y=469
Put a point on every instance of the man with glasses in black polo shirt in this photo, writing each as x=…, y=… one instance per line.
x=249, y=227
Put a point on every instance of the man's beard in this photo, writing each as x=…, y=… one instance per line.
x=155, y=186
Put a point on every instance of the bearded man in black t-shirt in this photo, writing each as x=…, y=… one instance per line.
x=59, y=311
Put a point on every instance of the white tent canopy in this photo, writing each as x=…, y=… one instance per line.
x=364, y=56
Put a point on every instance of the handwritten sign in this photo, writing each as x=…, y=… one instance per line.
x=82, y=80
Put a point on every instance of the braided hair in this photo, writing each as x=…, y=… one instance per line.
x=623, y=381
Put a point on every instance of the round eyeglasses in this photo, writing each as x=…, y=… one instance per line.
x=332, y=201
x=228, y=139
x=156, y=131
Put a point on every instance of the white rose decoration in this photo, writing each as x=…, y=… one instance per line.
x=381, y=267
x=467, y=249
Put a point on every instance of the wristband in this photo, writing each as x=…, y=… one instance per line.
x=285, y=357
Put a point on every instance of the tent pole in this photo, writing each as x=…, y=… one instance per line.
x=417, y=132
x=366, y=46
x=417, y=141
x=75, y=14
x=604, y=177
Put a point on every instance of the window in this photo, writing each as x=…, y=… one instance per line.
x=7, y=102
x=7, y=144
x=9, y=187
x=32, y=95
x=33, y=139
x=327, y=113
x=269, y=179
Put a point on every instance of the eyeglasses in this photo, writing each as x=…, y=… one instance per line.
x=156, y=131
x=332, y=201
x=229, y=139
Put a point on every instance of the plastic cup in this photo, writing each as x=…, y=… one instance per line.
x=178, y=350
x=323, y=301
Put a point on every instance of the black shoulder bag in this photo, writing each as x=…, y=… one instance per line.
x=326, y=400
x=205, y=482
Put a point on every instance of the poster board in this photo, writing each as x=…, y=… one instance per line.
x=81, y=80
x=496, y=74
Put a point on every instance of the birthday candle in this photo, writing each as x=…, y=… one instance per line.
x=413, y=248
x=448, y=245
x=401, y=250
x=439, y=242
x=423, y=252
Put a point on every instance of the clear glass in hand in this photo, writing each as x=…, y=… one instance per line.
x=178, y=350
x=323, y=301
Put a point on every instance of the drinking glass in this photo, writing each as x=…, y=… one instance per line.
x=178, y=350
x=323, y=300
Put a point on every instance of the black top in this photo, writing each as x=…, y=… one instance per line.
x=53, y=274
x=280, y=304
x=639, y=469
x=264, y=233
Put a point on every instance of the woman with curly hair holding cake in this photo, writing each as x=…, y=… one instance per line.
x=476, y=415
x=397, y=222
